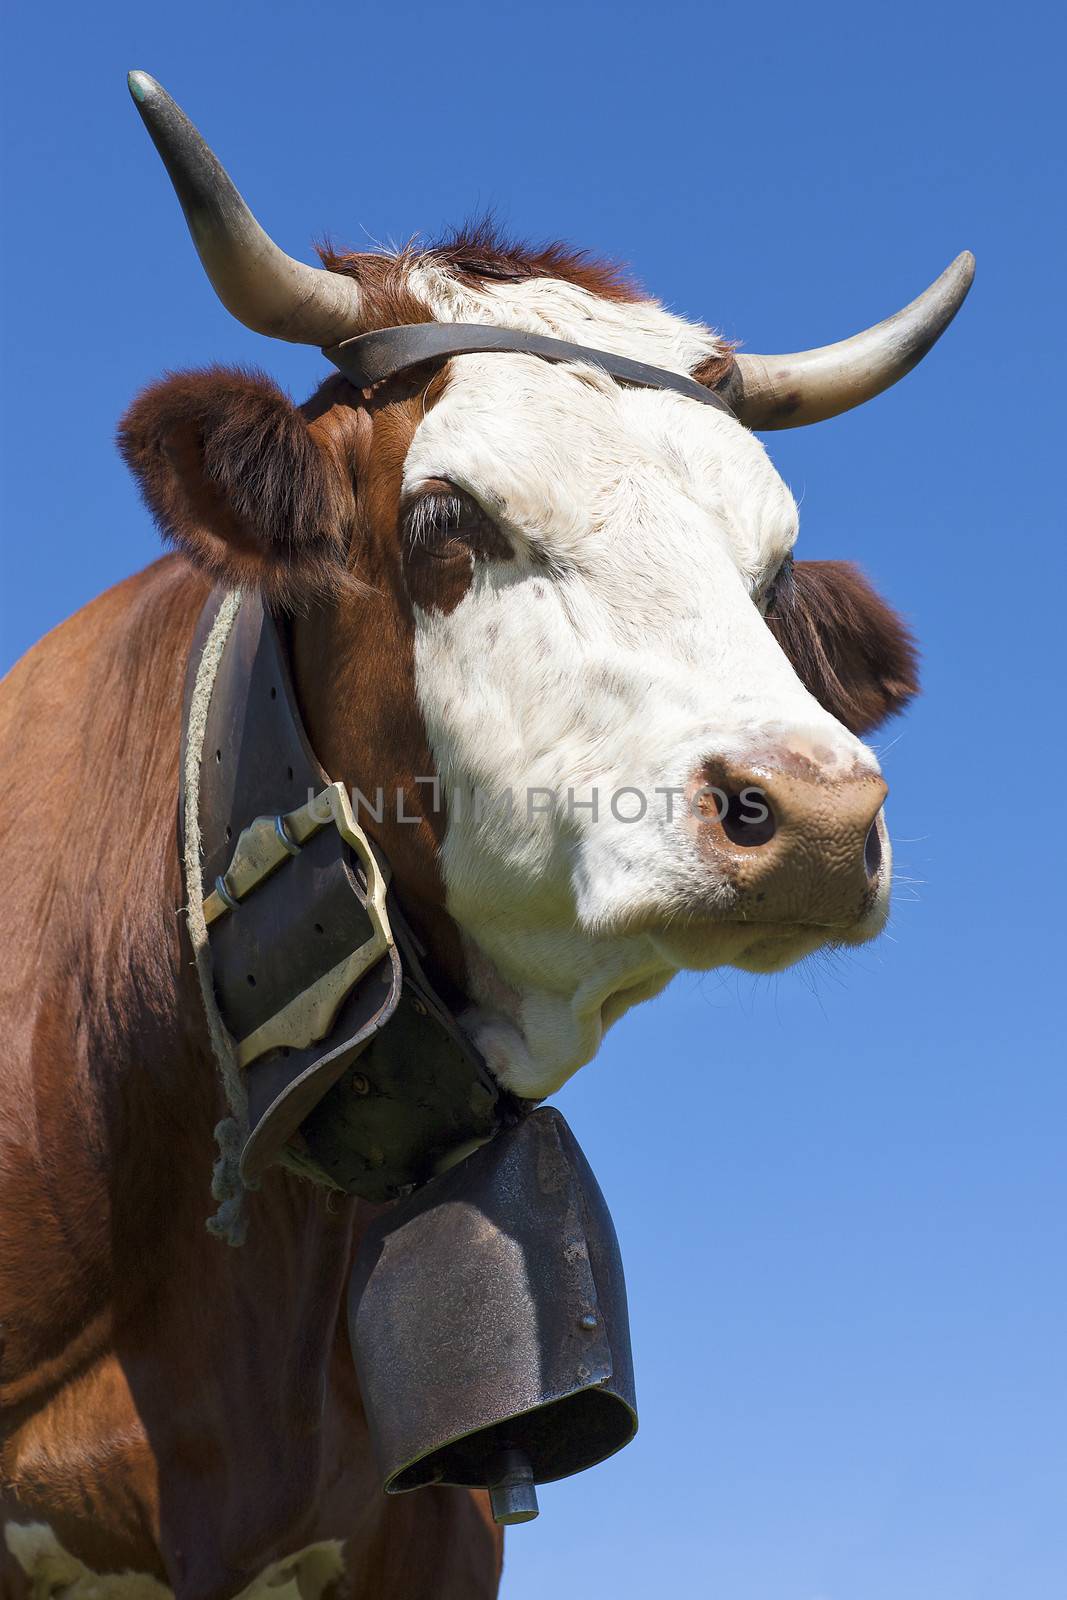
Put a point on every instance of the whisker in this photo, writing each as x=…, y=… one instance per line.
x=885, y=749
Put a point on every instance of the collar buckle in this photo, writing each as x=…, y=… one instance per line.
x=264, y=846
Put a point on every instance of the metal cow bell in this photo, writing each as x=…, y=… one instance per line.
x=487, y=1314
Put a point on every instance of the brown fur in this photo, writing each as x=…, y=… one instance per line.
x=847, y=646
x=481, y=250
x=136, y=1424
x=169, y=1405
x=205, y=447
x=714, y=369
x=233, y=476
x=354, y=668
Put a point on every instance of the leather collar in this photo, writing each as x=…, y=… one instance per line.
x=371, y=358
x=369, y=1085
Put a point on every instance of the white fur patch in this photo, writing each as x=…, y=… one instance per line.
x=57, y=1575
x=620, y=649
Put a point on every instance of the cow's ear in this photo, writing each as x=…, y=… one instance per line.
x=847, y=646
x=237, y=478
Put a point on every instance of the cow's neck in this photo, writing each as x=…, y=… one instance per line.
x=354, y=676
x=353, y=661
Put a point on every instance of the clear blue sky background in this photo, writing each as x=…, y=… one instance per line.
x=840, y=1192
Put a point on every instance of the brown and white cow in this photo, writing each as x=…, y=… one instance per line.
x=506, y=575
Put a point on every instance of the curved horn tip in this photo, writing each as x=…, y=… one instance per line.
x=142, y=85
x=789, y=391
x=948, y=292
x=257, y=282
x=963, y=269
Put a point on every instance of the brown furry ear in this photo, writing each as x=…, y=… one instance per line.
x=847, y=646
x=234, y=477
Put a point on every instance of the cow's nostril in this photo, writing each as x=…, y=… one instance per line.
x=748, y=819
x=872, y=850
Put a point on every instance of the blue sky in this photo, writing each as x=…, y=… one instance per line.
x=840, y=1192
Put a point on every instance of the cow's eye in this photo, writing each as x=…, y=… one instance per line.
x=444, y=522
x=776, y=588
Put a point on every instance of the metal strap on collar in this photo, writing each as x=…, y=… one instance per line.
x=371, y=358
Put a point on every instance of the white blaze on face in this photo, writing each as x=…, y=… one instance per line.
x=621, y=647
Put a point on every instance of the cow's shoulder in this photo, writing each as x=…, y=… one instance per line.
x=141, y=626
x=90, y=1036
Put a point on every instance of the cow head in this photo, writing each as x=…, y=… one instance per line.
x=559, y=615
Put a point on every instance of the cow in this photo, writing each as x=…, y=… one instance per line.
x=518, y=578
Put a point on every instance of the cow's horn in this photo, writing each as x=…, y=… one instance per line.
x=262, y=286
x=811, y=385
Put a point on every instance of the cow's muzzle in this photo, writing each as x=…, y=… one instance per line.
x=794, y=841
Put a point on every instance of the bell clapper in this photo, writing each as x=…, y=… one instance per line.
x=512, y=1493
